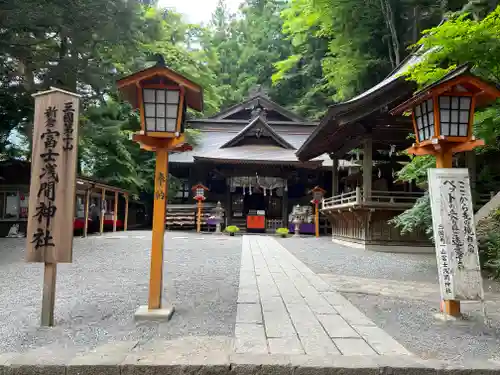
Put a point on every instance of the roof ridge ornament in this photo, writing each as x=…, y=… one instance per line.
x=258, y=90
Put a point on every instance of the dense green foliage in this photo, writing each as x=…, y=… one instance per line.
x=307, y=54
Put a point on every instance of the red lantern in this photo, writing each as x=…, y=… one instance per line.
x=199, y=192
x=318, y=194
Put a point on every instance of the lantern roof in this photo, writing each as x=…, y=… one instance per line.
x=318, y=189
x=458, y=81
x=199, y=186
x=160, y=73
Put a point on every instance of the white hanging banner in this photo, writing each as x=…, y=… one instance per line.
x=455, y=234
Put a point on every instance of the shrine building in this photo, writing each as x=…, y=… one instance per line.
x=245, y=156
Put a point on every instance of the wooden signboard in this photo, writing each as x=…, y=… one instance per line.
x=53, y=171
x=455, y=234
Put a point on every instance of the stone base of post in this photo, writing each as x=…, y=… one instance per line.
x=163, y=314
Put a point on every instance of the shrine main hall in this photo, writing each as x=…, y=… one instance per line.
x=245, y=156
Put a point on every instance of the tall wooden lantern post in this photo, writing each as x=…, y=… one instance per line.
x=52, y=188
x=162, y=96
x=199, y=196
x=443, y=116
x=318, y=194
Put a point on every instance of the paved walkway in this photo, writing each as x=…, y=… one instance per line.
x=285, y=308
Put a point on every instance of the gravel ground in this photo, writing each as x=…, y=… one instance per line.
x=98, y=293
x=323, y=256
x=411, y=322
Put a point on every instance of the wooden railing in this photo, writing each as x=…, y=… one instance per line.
x=377, y=199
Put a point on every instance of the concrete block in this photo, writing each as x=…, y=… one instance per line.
x=164, y=314
x=381, y=341
x=335, y=299
x=317, y=303
x=319, y=344
x=261, y=364
x=248, y=295
x=5, y=359
x=40, y=361
x=249, y=313
x=250, y=338
x=353, y=316
x=278, y=324
x=36, y=369
x=270, y=303
x=288, y=345
x=319, y=284
x=336, y=327
x=352, y=346
x=305, y=322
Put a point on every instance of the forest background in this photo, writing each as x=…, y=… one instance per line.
x=308, y=54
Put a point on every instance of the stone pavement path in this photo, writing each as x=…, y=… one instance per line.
x=285, y=308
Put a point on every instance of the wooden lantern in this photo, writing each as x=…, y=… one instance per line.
x=443, y=113
x=162, y=96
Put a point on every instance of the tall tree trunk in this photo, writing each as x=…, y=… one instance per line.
x=416, y=24
x=391, y=25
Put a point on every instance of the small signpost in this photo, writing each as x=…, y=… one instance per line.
x=455, y=235
x=52, y=191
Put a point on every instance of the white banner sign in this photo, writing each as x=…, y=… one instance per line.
x=455, y=234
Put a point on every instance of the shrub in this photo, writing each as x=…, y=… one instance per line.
x=283, y=232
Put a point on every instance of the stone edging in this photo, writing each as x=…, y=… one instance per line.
x=237, y=364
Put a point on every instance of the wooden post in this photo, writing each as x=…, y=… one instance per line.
x=86, y=215
x=367, y=169
x=49, y=294
x=125, y=221
x=284, y=208
x=115, y=212
x=159, y=209
x=316, y=218
x=103, y=211
x=198, y=224
x=335, y=176
x=444, y=159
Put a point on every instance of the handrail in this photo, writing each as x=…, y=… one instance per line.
x=353, y=198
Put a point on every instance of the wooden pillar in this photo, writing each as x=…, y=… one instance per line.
x=159, y=210
x=367, y=169
x=284, y=208
x=199, y=216
x=86, y=213
x=49, y=294
x=316, y=219
x=125, y=221
x=228, y=209
x=103, y=211
x=335, y=176
x=115, y=212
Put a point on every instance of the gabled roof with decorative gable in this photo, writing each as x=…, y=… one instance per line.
x=258, y=128
x=274, y=110
x=257, y=131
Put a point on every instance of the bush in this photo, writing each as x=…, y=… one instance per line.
x=232, y=229
x=283, y=232
x=488, y=238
